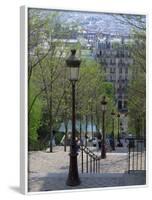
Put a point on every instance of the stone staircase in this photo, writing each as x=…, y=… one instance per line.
x=52, y=182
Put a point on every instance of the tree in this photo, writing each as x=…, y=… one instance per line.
x=90, y=90
x=137, y=83
x=47, y=52
x=137, y=86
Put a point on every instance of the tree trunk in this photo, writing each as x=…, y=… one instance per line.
x=65, y=138
x=86, y=134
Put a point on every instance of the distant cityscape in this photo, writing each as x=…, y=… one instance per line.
x=98, y=23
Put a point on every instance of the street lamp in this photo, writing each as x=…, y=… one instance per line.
x=73, y=64
x=118, y=136
x=113, y=134
x=91, y=116
x=104, y=108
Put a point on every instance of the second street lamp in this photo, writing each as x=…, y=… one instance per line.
x=118, y=136
x=113, y=134
x=104, y=108
x=73, y=64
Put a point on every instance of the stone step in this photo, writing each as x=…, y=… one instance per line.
x=51, y=182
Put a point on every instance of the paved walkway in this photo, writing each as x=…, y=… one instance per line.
x=48, y=171
x=53, y=182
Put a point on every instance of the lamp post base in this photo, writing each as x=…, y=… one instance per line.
x=73, y=182
x=73, y=176
x=103, y=152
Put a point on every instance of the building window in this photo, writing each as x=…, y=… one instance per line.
x=125, y=104
x=112, y=70
x=120, y=70
x=119, y=104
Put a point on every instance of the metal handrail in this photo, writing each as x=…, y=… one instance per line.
x=91, y=158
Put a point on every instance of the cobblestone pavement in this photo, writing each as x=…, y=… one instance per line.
x=48, y=171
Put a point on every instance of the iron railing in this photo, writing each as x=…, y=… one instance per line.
x=136, y=155
x=90, y=162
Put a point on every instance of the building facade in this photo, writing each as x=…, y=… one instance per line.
x=114, y=55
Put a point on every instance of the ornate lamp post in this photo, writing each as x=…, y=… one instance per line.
x=113, y=134
x=73, y=64
x=90, y=102
x=118, y=136
x=104, y=108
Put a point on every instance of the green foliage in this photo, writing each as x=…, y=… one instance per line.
x=137, y=85
x=34, y=123
x=58, y=137
x=49, y=89
x=108, y=89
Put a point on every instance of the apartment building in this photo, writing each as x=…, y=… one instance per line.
x=115, y=56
